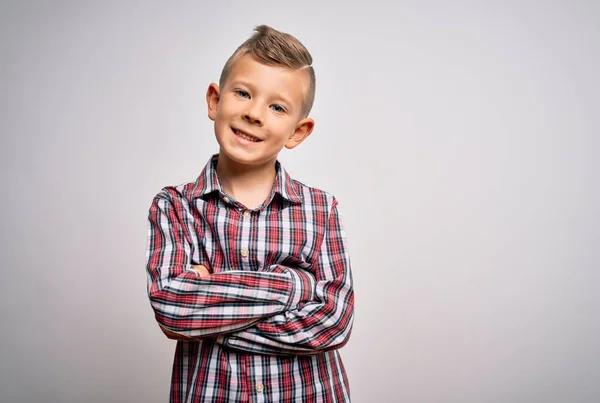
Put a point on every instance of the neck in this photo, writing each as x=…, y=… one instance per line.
x=249, y=184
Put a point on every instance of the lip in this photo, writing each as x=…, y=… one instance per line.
x=236, y=130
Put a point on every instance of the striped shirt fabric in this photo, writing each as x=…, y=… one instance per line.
x=268, y=322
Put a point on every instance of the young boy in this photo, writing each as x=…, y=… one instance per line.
x=247, y=268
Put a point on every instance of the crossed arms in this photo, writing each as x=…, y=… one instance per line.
x=276, y=310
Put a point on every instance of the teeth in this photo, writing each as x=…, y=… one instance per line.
x=244, y=136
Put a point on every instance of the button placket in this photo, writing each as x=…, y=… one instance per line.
x=245, y=240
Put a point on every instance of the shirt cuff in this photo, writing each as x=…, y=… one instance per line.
x=303, y=286
x=189, y=269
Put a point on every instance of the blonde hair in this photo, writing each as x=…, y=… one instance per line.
x=275, y=48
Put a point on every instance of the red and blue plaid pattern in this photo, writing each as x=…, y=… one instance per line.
x=267, y=324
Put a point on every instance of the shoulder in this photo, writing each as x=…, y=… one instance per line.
x=314, y=196
x=175, y=194
x=322, y=206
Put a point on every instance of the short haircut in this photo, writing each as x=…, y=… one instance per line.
x=275, y=48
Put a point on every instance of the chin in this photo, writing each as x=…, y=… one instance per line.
x=242, y=157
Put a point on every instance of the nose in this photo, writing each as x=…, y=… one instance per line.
x=252, y=114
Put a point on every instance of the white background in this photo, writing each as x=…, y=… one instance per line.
x=461, y=139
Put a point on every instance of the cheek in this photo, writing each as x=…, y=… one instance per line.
x=226, y=108
x=291, y=129
x=285, y=128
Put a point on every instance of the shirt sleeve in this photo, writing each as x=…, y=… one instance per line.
x=324, y=322
x=187, y=306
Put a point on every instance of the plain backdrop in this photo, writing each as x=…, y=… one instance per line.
x=461, y=139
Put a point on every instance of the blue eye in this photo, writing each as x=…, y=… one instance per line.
x=242, y=93
x=278, y=108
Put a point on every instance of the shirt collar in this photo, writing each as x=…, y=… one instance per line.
x=208, y=182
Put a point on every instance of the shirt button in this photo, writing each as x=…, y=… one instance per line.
x=244, y=252
x=226, y=199
x=246, y=214
x=260, y=387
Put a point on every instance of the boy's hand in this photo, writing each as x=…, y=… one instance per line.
x=201, y=270
x=175, y=336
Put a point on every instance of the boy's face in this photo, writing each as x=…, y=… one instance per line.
x=258, y=110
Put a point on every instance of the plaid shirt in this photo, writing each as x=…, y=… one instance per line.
x=265, y=326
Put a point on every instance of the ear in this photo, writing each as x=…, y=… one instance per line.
x=212, y=100
x=302, y=131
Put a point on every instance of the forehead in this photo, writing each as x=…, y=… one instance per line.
x=273, y=80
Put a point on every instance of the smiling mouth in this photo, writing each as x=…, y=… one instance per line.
x=245, y=136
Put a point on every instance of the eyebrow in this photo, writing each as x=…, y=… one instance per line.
x=252, y=87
